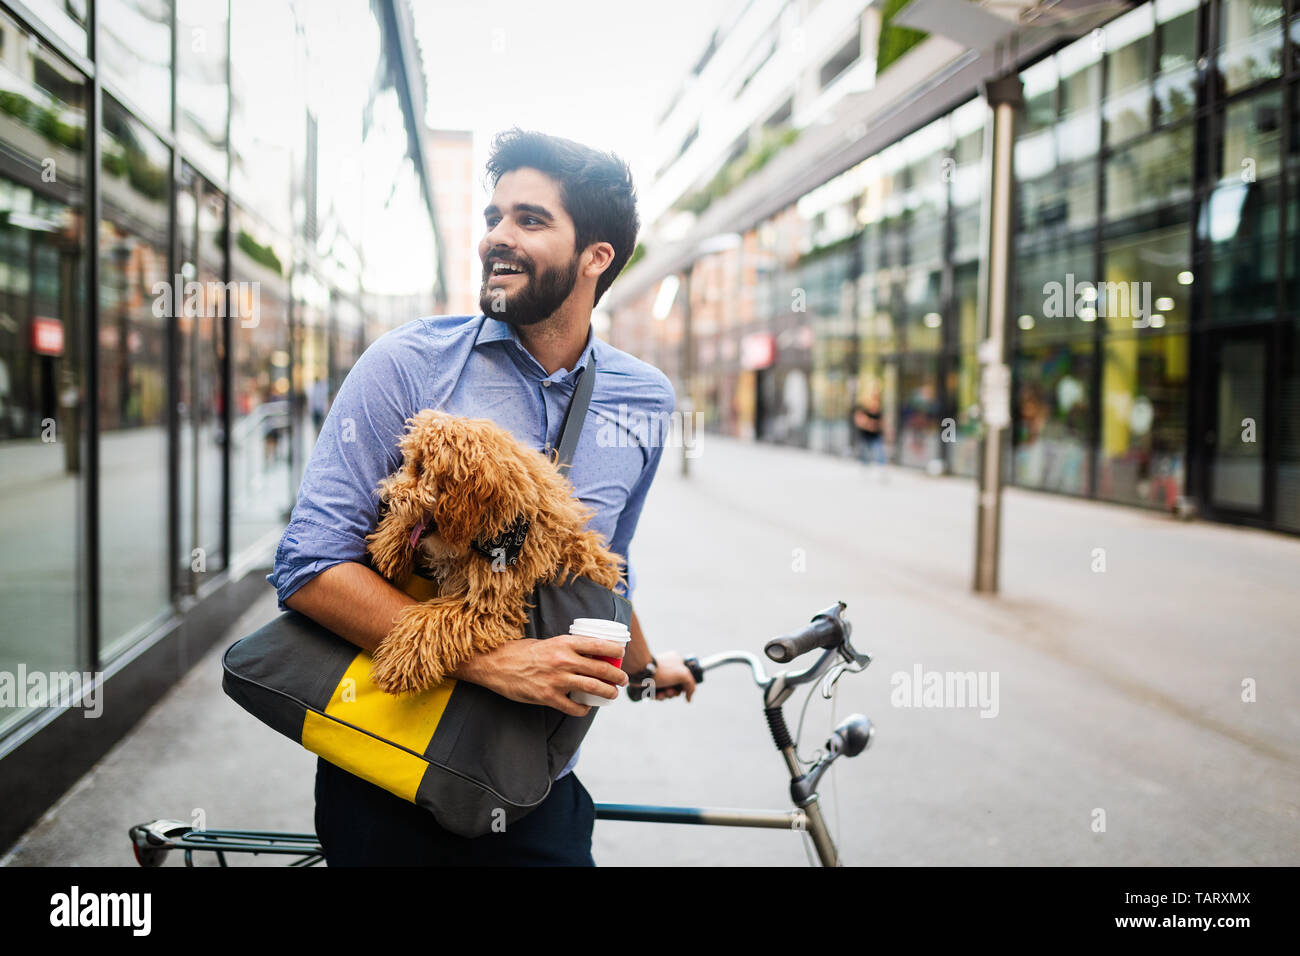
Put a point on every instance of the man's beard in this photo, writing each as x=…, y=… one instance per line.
x=540, y=297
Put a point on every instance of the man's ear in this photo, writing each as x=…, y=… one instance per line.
x=602, y=257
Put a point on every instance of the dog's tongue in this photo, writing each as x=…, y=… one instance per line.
x=417, y=531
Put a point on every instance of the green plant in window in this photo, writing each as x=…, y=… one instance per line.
x=739, y=169
x=15, y=104
x=894, y=40
x=259, y=253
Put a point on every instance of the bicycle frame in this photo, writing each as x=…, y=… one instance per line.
x=152, y=841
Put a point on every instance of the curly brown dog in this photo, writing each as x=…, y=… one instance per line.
x=486, y=519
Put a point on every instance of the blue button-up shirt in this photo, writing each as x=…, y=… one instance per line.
x=473, y=366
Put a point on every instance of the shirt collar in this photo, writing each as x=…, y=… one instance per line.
x=495, y=330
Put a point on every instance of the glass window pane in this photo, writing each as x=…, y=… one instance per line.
x=201, y=91
x=918, y=412
x=1155, y=172
x=1288, y=465
x=268, y=110
x=200, y=219
x=1049, y=301
x=1240, y=222
x=1251, y=141
x=42, y=397
x=135, y=37
x=1147, y=281
x=66, y=18
x=261, y=493
x=1250, y=42
x=1129, y=44
x=1144, y=419
x=132, y=379
x=1052, y=412
x=1175, y=85
x=1236, y=466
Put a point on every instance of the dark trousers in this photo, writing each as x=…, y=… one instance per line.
x=360, y=824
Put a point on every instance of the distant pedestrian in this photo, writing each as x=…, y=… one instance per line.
x=869, y=422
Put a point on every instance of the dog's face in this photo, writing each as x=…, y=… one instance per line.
x=463, y=483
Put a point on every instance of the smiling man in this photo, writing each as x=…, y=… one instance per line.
x=560, y=226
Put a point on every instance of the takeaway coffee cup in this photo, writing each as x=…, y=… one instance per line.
x=605, y=630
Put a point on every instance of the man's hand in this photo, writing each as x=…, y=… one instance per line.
x=544, y=672
x=673, y=670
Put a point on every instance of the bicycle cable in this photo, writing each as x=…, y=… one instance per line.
x=829, y=685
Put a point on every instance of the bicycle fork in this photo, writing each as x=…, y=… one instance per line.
x=812, y=818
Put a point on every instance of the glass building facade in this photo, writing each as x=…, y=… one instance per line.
x=207, y=209
x=1154, y=347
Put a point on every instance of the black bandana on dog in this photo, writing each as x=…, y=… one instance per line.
x=507, y=544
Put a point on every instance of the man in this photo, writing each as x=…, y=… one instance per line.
x=561, y=224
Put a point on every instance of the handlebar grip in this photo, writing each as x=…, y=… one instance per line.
x=822, y=632
x=636, y=690
x=693, y=665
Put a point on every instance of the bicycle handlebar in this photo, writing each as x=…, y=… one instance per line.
x=825, y=632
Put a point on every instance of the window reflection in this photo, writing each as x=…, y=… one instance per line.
x=1250, y=42
x=201, y=89
x=42, y=400
x=1175, y=84
x=1143, y=419
x=1149, y=272
x=1251, y=140
x=135, y=38
x=1129, y=42
x=1052, y=411
x=132, y=378
x=1240, y=222
x=200, y=220
x=261, y=489
x=1154, y=172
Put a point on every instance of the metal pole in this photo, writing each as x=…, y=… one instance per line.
x=1004, y=96
x=685, y=403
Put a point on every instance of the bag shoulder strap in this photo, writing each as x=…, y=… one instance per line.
x=576, y=415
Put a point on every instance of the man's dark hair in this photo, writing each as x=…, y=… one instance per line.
x=596, y=189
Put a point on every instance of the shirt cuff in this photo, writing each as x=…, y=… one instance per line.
x=306, y=549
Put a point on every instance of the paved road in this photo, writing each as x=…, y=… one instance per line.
x=1117, y=691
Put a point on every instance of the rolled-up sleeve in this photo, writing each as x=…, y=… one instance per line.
x=337, y=503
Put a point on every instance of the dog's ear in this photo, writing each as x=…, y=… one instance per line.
x=478, y=486
x=389, y=545
x=424, y=436
x=405, y=498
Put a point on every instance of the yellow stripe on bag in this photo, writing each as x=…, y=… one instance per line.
x=409, y=720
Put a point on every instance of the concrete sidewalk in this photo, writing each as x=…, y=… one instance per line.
x=1119, y=692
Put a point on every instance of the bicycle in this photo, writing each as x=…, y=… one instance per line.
x=828, y=631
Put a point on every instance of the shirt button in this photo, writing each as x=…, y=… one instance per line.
x=546, y=384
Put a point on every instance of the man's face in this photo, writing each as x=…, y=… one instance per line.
x=528, y=229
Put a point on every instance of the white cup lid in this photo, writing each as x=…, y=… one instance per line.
x=597, y=627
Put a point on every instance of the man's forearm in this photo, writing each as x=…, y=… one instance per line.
x=360, y=606
x=638, y=651
x=352, y=601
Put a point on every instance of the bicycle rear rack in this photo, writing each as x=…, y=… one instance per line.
x=153, y=841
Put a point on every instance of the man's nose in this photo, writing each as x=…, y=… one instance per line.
x=500, y=238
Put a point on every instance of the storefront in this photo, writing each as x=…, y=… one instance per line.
x=171, y=327
x=1154, y=348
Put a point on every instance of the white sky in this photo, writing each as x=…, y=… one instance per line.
x=594, y=72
